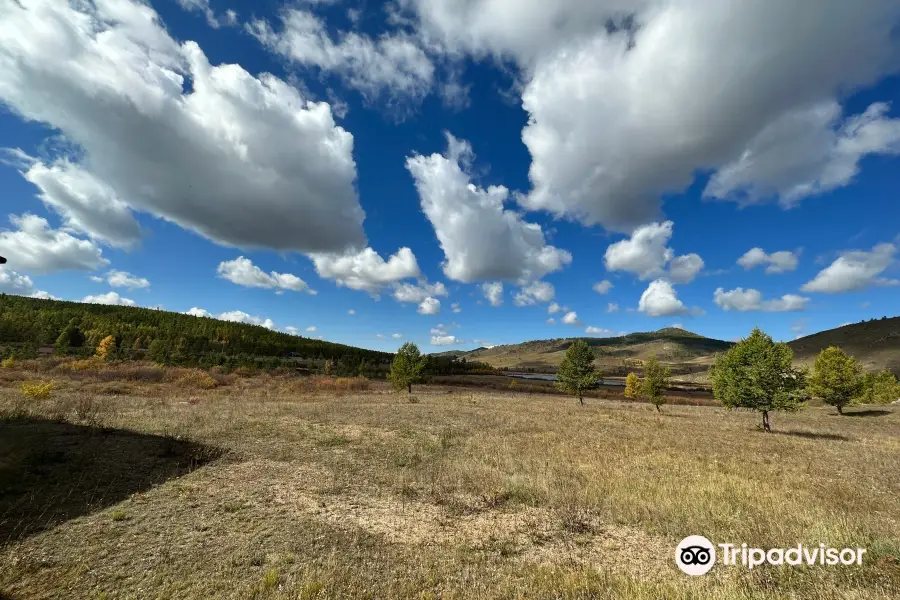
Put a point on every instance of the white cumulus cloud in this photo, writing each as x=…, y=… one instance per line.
x=408, y=292
x=109, y=298
x=598, y=331
x=34, y=246
x=242, y=271
x=661, y=300
x=646, y=254
x=481, y=239
x=124, y=279
x=571, y=318
x=365, y=270
x=429, y=306
x=776, y=262
x=743, y=300
x=603, y=287
x=538, y=291
x=157, y=127
x=855, y=270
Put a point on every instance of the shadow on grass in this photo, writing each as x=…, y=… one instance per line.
x=52, y=471
x=811, y=435
x=872, y=412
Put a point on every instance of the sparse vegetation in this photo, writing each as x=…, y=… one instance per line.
x=837, y=379
x=338, y=493
x=756, y=374
x=40, y=390
x=576, y=372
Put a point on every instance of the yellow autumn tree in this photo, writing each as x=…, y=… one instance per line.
x=106, y=348
x=632, y=386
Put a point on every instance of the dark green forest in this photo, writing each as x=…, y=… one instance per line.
x=30, y=327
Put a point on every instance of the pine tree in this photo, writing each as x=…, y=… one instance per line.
x=632, y=386
x=407, y=367
x=656, y=380
x=576, y=372
x=757, y=374
x=837, y=378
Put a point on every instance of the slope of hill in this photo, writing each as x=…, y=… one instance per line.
x=160, y=335
x=686, y=351
x=875, y=343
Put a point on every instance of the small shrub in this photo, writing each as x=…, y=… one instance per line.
x=8, y=363
x=196, y=378
x=118, y=516
x=88, y=364
x=269, y=581
x=40, y=390
x=412, y=399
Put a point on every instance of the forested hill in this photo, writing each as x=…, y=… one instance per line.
x=27, y=324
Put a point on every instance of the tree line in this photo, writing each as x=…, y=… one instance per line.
x=756, y=374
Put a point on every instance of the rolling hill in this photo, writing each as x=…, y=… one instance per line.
x=876, y=344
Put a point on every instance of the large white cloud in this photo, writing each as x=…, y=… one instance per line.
x=776, y=262
x=242, y=271
x=481, y=240
x=392, y=65
x=243, y=160
x=628, y=99
x=646, y=254
x=366, y=270
x=855, y=270
x=35, y=247
x=743, y=300
x=661, y=300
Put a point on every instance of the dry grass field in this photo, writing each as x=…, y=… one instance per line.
x=151, y=483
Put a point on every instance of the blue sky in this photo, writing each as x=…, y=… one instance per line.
x=232, y=160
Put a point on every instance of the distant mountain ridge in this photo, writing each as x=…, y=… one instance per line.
x=875, y=343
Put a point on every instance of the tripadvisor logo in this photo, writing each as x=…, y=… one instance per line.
x=696, y=555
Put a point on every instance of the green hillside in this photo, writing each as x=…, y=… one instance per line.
x=28, y=325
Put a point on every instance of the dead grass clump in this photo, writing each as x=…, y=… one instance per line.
x=40, y=390
x=320, y=383
x=131, y=372
x=195, y=378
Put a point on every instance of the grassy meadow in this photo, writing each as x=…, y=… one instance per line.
x=144, y=482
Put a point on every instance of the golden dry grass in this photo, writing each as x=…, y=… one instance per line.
x=274, y=487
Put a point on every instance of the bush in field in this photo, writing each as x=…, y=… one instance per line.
x=757, y=374
x=407, y=367
x=197, y=379
x=632, y=386
x=40, y=390
x=8, y=363
x=656, y=380
x=576, y=372
x=106, y=348
x=880, y=388
x=837, y=378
